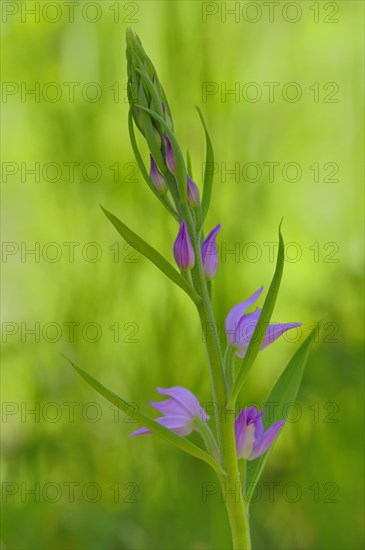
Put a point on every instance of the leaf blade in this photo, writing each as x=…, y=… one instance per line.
x=208, y=174
x=285, y=391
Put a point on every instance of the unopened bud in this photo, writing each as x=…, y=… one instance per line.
x=209, y=251
x=166, y=115
x=193, y=193
x=183, y=249
x=170, y=157
x=157, y=178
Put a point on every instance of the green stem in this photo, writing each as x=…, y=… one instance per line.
x=230, y=481
x=229, y=366
x=208, y=323
x=232, y=485
x=216, y=368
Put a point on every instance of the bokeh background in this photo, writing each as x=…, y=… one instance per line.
x=84, y=293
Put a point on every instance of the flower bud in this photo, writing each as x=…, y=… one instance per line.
x=193, y=193
x=170, y=157
x=157, y=178
x=136, y=111
x=209, y=251
x=183, y=249
x=157, y=137
x=166, y=115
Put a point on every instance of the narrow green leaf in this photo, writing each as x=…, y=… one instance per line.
x=179, y=157
x=261, y=327
x=155, y=257
x=181, y=442
x=284, y=392
x=209, y=168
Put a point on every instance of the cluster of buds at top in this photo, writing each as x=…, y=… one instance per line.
x=168, y=174
x=144, y=88
x=151, y=114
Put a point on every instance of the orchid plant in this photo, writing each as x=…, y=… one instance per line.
x=238, y=444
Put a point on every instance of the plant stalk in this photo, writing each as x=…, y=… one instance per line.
x=230, y=482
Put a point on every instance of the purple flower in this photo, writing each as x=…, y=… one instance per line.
x=157, y=178
x=170, y=157
x=179, y=412
x=240, y=326
x=183, y=249
x=251, y=439
x=193, y=193
x=209, y=251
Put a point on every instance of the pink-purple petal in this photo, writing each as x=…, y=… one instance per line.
x=179, y=412
x=259, y=426
x=186, y=399
x=170, y=407
x=247, y=325
x=140, y=431
x=209, y=252
x=275, y=330
x=245, y=330
x=251, y=414
x=181, y=425
x=240, y=428
x=178, y=424
x=236, y=313
x=267, y=439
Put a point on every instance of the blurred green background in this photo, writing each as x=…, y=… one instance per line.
x=119, y=318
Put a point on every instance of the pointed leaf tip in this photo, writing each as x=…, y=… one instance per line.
x=284, y=392
x=208, y=172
